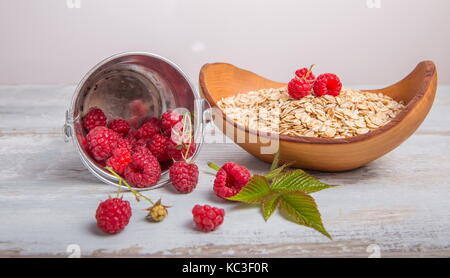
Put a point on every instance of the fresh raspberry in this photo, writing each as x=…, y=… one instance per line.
x=147, y=130
x=184, y=176
x=120, y=126
x=158, y=146
x=169, y=119
x=144, y=170
x=230, y=179
x=299, y=88
x=119, y=160
x=207, y=218
x=113, y=215
x=101, y=141
x=327, y=84
x=139, y=144
x=305, y=73
x=95, y=117
x=125, y=143
x=154, y=121
x=177, y=152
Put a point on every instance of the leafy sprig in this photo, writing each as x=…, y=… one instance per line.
x=287, y=190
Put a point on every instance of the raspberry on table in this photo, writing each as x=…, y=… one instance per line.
x=119, y=125
x=327, y=84
x=119, y=160
x=101, y=141
x=170, y=119
x=147, y=130
x=176, y=152
x=207, y=218
x=144, y=170
x=113, y=215
x=157, y=212
x=184, y=176
x=158, y=146
x=230, y=179
x=95, y=117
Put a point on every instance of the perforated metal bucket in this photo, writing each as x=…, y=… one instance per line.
x=123, y=79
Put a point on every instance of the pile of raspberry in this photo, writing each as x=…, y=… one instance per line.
x=137, y=153
x=305, y=83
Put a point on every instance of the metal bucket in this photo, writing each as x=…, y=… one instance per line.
x=116, y=83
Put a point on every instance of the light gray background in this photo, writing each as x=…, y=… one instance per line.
x=45, y=42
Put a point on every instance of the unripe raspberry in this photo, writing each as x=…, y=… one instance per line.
x=158, y=212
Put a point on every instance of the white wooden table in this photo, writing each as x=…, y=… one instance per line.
x=399, y=203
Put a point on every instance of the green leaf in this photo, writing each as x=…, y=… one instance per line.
x=254, y=191
x=297, y=180
x=302, y=209
x=269, y=205
x=275, y=172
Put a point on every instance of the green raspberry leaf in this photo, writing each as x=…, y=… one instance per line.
x=297, y=180
x=254, y=191
x=302, y=209
x=269, y=205
x=277, y=171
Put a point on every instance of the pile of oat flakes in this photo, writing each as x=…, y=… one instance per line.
x=350, y=114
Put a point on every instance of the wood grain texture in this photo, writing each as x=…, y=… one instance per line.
x=417, y=90
x=48, y=199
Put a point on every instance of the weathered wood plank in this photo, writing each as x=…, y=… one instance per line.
x=48, y=200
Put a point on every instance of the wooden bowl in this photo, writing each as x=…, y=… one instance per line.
x=417, y=90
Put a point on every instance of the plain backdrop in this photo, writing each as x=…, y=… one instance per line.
x=365, y=42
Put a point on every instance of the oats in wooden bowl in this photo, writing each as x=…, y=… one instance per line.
x=351, y=113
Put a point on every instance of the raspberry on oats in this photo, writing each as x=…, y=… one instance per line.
x=120, y=126
x=101, y=141
x=95, y=117
x=327, y=84
x=305, y=73
x=302, y=84
x=144, y=170
x=299, y=88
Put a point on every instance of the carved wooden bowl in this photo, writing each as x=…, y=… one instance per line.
x=417, y=90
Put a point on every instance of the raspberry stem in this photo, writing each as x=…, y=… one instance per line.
x=213, y=166
x=124, y=182
x=309, y=71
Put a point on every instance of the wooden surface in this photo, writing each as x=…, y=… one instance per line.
x=398, y=203
x=417, y=91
